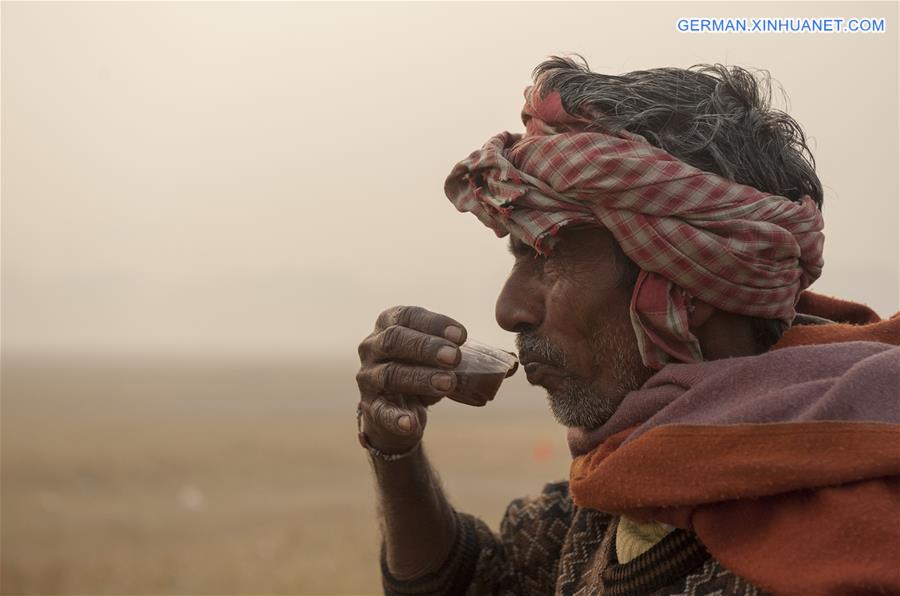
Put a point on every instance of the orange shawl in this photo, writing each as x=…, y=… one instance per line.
x=804, y=501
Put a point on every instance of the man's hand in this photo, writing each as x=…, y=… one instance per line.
x=406, y=365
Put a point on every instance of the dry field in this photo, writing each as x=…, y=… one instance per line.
x=225, y=479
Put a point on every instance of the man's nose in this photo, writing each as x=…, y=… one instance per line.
x=520, y=305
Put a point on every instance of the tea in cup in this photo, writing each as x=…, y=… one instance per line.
x=480, y=372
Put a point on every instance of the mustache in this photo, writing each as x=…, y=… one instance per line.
x=542, y=347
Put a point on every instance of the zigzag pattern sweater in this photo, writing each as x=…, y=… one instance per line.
x=548, y=545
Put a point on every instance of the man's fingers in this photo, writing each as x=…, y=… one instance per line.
x=397, y=378
x=420, y=319
x=403, y=343
x=406, y=366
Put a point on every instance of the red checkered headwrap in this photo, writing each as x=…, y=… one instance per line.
x=693, y=233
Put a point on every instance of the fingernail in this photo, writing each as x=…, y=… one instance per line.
x=447, y=355
x=405, y=423
x=441, y=381
x=453, y=333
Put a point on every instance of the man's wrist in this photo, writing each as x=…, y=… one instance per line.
x=382, y=455
x=375, y=452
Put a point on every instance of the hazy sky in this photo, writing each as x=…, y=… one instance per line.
x=263, y=179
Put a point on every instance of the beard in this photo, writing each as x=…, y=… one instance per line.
x=578, y=402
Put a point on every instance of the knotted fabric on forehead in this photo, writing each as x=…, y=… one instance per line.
x=693, y=233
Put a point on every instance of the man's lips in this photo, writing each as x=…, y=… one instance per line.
x=526, y=358
x=540, y=373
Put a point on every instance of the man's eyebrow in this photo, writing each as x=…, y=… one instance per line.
x=517, y=248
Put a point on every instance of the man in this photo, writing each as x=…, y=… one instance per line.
x=664, y=224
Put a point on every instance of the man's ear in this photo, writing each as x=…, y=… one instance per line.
x=699, y=314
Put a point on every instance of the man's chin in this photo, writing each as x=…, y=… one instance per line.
x=576, y=406
x=582, y=441
x=568, y=416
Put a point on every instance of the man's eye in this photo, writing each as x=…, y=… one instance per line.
x=519, y=250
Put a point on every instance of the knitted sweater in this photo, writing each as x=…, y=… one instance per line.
x=547, y=545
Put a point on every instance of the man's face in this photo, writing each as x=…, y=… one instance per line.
x=574, y=332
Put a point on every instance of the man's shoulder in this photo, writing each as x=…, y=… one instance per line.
x=554, y=501
x=558, y=490
x=553, y=493
x=554, y=504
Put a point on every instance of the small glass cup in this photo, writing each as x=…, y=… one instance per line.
x=480, y=372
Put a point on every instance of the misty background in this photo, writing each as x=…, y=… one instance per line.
x=205, y=205
x=260, y=180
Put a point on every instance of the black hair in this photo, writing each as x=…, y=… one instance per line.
x=716, y=118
